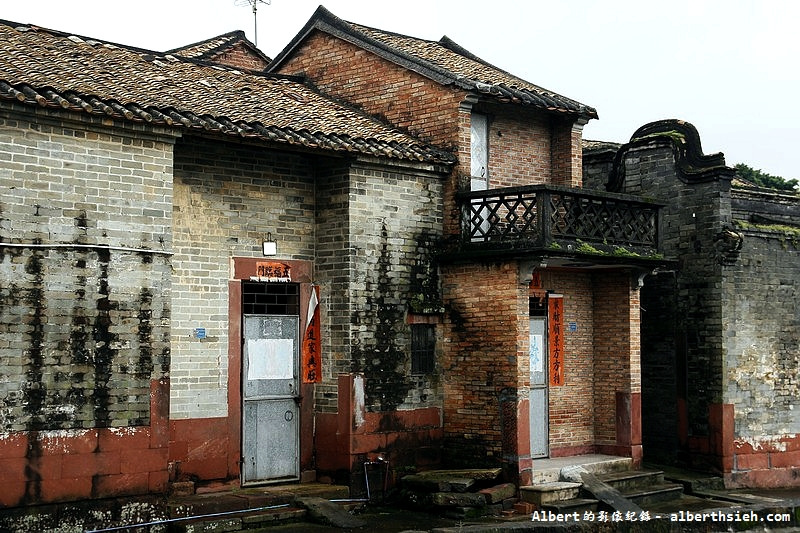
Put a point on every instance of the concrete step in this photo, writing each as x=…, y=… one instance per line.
x=578, y=505
x=654, y=493
x=630, y=480
x=541, y=494
x=549, y=470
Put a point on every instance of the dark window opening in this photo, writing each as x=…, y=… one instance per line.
x=270, y=298
x=423, y=348
x=537, y=306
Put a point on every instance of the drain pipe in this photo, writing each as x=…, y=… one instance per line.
x=186, y=518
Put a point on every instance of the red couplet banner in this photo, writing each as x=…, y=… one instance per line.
x=555, y=336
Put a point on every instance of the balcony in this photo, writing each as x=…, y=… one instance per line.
x=578, y=224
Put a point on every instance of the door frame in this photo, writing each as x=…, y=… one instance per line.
x=244, y=269
x=274, y=399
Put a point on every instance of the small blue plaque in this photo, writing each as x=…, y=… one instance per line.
x=199, y=333
x=572, y=327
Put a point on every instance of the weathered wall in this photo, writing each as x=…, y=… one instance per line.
x=376, y=234
x=85, y=215
x=617, y=364
x=240, y=56
x=485, y=361
x=762, y=346
x=227, y=199
x=395, y=219
x=720, y=334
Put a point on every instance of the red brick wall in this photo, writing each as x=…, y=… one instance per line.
x=567, y=154
x=406, y=99
x=571, y=416
x=239, y=56
x=767, y=462
x=519, y=149
x=616, y=349
x=481, y=361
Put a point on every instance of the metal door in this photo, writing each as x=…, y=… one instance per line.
x=538, y=396
x=270, y=389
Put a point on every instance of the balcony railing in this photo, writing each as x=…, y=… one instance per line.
x=547, y=216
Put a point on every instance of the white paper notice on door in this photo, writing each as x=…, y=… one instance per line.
x=537, y=361
x=270, y=359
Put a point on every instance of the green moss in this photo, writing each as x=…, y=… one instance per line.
x=584, y=248
x=672, y=134
x=554, y=246
x=619, y=251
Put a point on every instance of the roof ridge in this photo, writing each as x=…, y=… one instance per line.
x=229, y=40
x=234, y=33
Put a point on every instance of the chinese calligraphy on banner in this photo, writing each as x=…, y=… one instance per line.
x=312, y=365
x=555, y=335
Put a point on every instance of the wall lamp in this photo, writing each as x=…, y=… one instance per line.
x=269, y=247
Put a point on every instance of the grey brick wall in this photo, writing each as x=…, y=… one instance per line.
x=84, y=271
x=762, y=317
x=227, y=198
x=394, y=219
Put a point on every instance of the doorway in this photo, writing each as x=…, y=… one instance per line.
x=539, y=402
x=270, y=382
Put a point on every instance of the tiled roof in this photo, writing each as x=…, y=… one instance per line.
x=53, y=69
x=443, y=61
x=208, y=49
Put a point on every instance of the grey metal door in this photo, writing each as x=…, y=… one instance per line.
x=540, y=432
x=270, y=389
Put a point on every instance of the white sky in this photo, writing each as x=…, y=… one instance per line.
x=730, y=67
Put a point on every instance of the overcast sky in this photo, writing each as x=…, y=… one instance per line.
x=730, y=67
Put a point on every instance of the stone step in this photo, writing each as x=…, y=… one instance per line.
x=630, y=480
x=450, y=480
x=541, y=494
x=549, y=470
x=572, y=505
x=655, y=493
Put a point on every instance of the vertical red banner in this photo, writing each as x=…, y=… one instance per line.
x=312, y=363
x=555, y=336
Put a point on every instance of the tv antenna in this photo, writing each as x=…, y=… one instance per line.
x=254, y=5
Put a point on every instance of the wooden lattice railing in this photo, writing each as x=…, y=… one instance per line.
x=539, y=215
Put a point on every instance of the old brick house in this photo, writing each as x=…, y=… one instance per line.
x=537, y=321
x=144, y=335
x=720, y=331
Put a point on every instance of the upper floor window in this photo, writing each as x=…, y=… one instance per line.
x=479, y=152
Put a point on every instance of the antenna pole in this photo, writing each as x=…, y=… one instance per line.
x=255, y=24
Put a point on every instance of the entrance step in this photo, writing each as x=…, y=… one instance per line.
x=541, y=494
x=549, y=470
x=606, y=484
